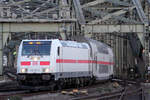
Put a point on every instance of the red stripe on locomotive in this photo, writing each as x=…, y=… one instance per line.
x=44, y=63
x=25, y=63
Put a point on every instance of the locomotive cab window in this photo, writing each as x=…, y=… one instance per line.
x=36, y=48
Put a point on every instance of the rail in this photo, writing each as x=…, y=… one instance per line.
x=119, y=94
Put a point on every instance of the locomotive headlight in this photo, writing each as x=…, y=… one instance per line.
x=23, y=70
x=46, y=70
x=35, y=59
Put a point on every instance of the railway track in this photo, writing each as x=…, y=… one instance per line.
x=119, y=95
x=131, y=88
x=11, y=89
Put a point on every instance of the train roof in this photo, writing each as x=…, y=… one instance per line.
x=66, y=43
x=39, y=40
x=74, y=44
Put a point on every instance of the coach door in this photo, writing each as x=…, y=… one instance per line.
x=95, y=65
x=99, y=58
x=59, y=52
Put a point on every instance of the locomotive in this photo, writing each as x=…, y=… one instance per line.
x=63, y=62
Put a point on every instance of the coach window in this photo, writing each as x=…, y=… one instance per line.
x=58, y=51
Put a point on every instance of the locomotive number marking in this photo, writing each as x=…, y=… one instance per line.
x=34, y=63
x=34, y=70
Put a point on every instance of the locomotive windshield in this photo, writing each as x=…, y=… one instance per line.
x=36, y=48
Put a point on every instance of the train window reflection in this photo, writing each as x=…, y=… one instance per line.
x=36, y=49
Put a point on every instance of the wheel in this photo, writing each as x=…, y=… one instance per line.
x=52, y=86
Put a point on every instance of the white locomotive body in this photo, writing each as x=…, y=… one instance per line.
x=53, y=60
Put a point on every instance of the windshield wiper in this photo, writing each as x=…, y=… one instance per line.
x=30, y=54
x=36, y=50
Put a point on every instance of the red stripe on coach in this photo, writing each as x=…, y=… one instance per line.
x=25, y=63
x=105, y=63
x=83, y=61
x=44, y=63
x=65, y=61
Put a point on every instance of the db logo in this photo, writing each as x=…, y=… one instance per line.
x=34, y=63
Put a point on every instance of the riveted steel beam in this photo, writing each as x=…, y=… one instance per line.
x=124, y=28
